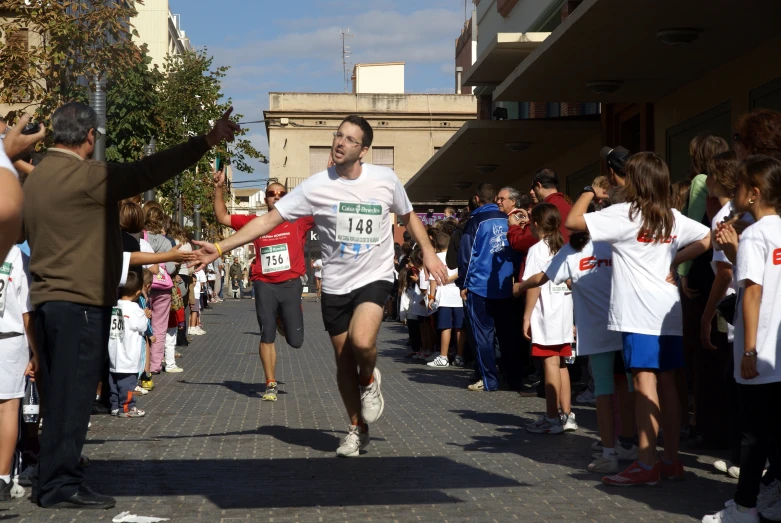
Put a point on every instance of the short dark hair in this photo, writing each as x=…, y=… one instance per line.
x=368, y=133
x=132, y=285
x=443, y=240
x=71, y=123
x=546, y=178
x=485, y=193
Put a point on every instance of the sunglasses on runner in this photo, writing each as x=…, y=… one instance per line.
x=275, y=194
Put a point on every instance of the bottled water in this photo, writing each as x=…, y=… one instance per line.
x=571, y=359
x=30, y=407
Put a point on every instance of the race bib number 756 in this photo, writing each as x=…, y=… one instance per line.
x=358, y=223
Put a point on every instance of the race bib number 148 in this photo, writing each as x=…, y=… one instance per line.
x=358, y=223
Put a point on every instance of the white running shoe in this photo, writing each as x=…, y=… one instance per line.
x=173, y=369
x=372, y=403
x=568, y=422
x=546, y=425
x=141, y=390
x=734, y=472
x=769, y=496
x=586, y=398
x=597, y=446
x=626, y=454
x=721, y=465
x=439, y=361
x=731, y=514
x=477, y=386
x=351, y=443
x=604, y=465
x=197, y=331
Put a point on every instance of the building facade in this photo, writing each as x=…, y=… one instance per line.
x=647, y=74
x=160, y=30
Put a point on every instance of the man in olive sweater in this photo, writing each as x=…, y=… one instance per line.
x=71, y=221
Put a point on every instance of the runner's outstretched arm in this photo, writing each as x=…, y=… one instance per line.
x=220, y=209
x=254, y=229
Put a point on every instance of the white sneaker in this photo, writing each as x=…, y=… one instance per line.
x=734, y=472
x=197, y=331
x=351, y=443
x=721, y=465
x=372, y=403
x=731, y=514
x=173, y=369
x=568, y=422
x=604, y=465
x=586, y=398
x=439, y=361
x=626, y=454
x=141, y=390
x=477, y=386
x=769, y=496
x=546, y=425
x=597, y=446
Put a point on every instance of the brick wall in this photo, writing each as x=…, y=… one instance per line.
x=484, y=107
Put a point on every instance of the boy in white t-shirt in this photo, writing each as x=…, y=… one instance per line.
x=199, y=283
x=128, y=325
x=647, y=236
x=450, y=314
x=352, y=204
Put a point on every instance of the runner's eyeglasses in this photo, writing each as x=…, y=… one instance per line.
x=275, y=194
x=349, y=139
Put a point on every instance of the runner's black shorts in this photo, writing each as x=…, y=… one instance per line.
x=338, y=309
x=283, y=300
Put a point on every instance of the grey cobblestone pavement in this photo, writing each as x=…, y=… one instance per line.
x=210, y=450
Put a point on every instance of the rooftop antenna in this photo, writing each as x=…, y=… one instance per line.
x=346, y=53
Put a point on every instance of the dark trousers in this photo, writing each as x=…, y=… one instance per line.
x=413, y=328
x=122, y=386
x=710, y=387
x=761, y=430
x=733, y=411
x=489, y=318
x=72, y=340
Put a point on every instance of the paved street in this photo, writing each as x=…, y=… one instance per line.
x=209, y=450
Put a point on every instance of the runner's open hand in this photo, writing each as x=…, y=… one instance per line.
x=203, y=256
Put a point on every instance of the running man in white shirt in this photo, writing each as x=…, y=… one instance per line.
x=351, y=203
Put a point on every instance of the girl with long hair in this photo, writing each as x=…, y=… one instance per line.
x=647, y=236
x=548, y=323
x=756, y=353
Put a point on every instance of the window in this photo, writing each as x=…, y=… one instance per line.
x=318, y=159
x=714, y=121
x=242, y=199
x=553, y=109
x=20, y=39
x=383, y=156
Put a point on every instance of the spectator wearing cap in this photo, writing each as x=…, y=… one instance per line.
x=76, y=264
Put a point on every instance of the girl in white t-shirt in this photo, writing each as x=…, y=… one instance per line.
x=548, y=323
x=647, y=236
x=757, y=326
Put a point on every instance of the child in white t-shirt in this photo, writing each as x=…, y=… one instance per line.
x=548, y=322
x=450, y=311
x=647, y=236
x=126, y=334
x=18, y=354
x=757, y=325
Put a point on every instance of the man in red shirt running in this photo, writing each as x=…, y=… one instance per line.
x=276, y=277
x=545, y=187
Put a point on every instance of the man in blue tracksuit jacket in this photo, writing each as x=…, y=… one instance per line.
x=486, y=266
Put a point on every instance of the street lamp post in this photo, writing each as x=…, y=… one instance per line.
x=149, y=150
x=97, y=100
x=197, y=222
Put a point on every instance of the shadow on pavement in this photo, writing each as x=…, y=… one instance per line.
x=326, y=482
x=251, y=390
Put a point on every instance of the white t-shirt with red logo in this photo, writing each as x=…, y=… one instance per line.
x=551, y=319
x=641, y=300
x=759, y=260
x=591, y=273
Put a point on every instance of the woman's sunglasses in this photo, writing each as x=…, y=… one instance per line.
x=275, y=194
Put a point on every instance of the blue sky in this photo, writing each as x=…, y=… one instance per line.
x=296, y=46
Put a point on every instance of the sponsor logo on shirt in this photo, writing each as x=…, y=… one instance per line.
x=591, y=262
x=643, y=237
x=777, y=257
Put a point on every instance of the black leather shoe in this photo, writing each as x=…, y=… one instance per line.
x=86, y=498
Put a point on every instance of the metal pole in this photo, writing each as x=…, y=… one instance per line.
x=97, y=100
x=178, y=196
x=149, y=150
x=197, y=222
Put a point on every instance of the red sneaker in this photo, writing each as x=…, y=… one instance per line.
x=673, y=471
x=634, y=475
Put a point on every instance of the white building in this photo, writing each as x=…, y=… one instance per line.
x=160, y=30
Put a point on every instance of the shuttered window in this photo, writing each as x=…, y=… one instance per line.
x=318, y=159
x=383, y=156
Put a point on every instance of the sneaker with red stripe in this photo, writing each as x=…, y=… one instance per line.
x=634, y=475
x=673, y=471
